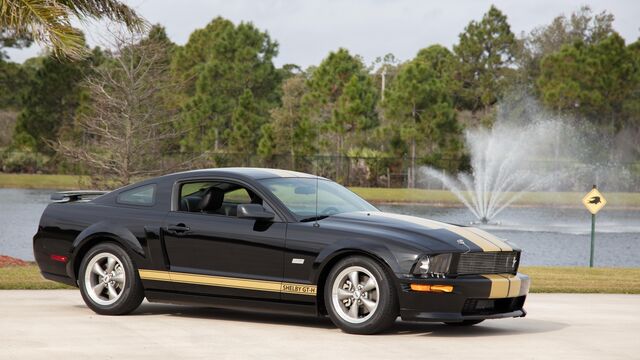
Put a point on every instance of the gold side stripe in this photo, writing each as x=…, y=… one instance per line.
x=154, y=275
x=228, y=282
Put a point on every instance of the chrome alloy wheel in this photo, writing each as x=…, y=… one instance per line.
x=104, y=278
x=355, y=294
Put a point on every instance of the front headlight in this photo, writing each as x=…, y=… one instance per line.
x=433, y=265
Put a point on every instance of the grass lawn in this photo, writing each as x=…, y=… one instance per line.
x=544, y=279
x=445, y=197
x=26, y=277
x=40, y=181
x=583, y=280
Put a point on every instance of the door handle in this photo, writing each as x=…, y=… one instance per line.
x=176, y=229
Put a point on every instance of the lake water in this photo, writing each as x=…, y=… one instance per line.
x=549, y=236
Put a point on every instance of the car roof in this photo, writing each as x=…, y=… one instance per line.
x=253, y=173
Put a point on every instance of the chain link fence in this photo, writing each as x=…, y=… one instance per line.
x=391, y=172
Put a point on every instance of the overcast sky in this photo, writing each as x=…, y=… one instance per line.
x=308, y=30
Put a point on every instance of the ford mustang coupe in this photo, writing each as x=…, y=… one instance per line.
x=275, y=240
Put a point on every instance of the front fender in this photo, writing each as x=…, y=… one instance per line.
x=340, y=248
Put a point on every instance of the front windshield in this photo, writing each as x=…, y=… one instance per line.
x=299, y=196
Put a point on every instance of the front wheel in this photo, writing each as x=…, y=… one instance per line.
x=360, y=296
x=109, y=281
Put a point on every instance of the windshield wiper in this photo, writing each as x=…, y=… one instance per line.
x=314, y=218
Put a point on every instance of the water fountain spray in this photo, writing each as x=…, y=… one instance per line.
x=502, y=162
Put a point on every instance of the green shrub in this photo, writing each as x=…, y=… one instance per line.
x=22, y=161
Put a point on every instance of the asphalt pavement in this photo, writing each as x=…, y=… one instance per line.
x=55, y=324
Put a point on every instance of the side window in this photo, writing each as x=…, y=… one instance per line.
x=215, y=197
x=192, y=188
x=142, y=195
x=238, y=196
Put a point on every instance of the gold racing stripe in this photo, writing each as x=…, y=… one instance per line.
x=514, y=286
x=504, y=286
x=467, y=234
x=499, y=286
x=492, y=238
x=154, y=275
x=229, y=282
x=481, y=240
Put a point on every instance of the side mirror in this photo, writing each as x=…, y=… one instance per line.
x=254, y=211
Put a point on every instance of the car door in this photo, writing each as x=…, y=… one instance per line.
x=215, y=252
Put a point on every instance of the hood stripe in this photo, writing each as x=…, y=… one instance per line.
x=477, y=238
x=483, y=243
x=489, y=237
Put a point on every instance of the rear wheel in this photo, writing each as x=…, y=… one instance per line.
x=360, y=296
x=109, y=281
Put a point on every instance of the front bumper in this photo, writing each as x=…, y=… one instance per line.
x=474, y=297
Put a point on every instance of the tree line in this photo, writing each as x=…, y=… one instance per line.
x=146, y=105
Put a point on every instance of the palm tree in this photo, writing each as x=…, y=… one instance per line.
x=48, y=22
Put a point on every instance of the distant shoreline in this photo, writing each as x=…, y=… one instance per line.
x=515, y=205
x=378, y=196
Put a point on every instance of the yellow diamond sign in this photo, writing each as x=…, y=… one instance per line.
x=594, y=201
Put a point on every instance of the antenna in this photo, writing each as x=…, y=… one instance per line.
x=316, y=224
x=317, y=187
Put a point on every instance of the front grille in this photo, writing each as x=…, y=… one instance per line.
x=504, y=262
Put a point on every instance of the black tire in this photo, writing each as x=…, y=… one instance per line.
x=131, y=293
x=464, y=323
x=385, y=312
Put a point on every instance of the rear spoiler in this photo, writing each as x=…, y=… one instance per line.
x=70, y=196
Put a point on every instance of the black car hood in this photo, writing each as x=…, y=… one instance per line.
x=434, y=235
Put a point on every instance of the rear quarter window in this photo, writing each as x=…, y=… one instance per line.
x=142, y=196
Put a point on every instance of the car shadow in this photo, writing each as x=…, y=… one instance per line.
x=231, y=315
x=488, y=328
x=497, y=327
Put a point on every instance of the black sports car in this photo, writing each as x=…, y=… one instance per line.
x=275, y=240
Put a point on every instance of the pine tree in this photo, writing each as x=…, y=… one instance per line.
x=227, y=61
x=341, y=95
x=341, y=101
x=592, y=81
x=51, y=101
x=420, y=106
x=355, y=111
x=244, y=132
x=486, y=51
x=289, y=131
